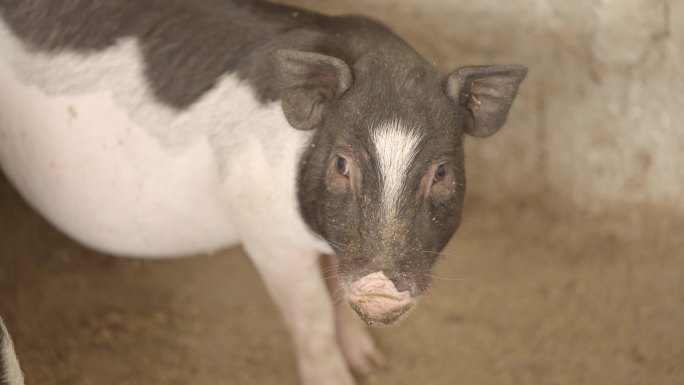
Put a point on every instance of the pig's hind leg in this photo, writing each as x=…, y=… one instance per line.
x=356, y=343
x=295, y=284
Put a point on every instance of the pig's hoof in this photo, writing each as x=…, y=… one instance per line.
x=357, y=345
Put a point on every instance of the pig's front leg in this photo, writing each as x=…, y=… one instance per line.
x=295, y=284
x=355, y=341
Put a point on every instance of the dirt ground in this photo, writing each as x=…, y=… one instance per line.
x=531, y=293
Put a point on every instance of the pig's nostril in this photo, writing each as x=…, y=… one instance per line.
x=400, y=282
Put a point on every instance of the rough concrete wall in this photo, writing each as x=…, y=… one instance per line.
x=599, y=118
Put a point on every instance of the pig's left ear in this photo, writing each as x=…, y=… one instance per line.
x=485, y=93
x=308, y=82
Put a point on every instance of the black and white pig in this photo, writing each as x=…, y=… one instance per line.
x=160, y=128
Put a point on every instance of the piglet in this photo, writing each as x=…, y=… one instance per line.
x=155, y=128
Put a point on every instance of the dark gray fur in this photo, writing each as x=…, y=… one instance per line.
x=187, y=44
x=342, y=76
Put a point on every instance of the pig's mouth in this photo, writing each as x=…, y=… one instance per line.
x=377, y=301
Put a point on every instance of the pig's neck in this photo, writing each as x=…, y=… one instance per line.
x=258, y=153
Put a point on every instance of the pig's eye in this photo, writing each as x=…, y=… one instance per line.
x=342, y=166
x=439, y=173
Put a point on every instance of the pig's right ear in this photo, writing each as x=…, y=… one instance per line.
x=308, y=82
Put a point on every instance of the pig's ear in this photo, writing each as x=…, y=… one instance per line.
x=308, y=82
x=485, y=93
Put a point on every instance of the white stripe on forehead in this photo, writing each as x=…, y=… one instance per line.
x=396, y=148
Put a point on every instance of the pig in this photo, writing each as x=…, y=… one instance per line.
x=156, y=129
x=10, y=372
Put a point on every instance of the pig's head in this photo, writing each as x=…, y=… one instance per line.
x=383, y=180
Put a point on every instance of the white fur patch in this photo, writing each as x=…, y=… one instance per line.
x=11, y=371
x=396, y=148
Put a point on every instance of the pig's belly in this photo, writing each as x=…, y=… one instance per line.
x=104, y=181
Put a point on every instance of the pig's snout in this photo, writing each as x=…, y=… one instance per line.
x=377, y=301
